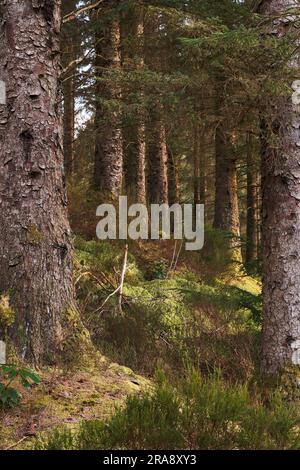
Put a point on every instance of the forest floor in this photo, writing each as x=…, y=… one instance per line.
x=67, y=398
x=194, y=309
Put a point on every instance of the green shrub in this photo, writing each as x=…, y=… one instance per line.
x=11, y=374
x=198, y=413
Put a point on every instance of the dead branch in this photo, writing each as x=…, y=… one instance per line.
x=122, y=279
x=74, y=14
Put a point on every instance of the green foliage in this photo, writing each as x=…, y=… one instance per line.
x=157, y=270
x=197, y=413
x=11, y=374
x=212, y=322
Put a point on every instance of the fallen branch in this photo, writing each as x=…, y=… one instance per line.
x=119, y=289
x=16, y=443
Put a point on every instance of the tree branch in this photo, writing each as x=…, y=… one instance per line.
x=74, y=14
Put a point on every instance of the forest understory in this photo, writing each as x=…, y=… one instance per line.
x=113, y=336
x=193, y=330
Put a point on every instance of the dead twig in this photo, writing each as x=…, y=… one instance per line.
x=119, y=289
x=122, y=279
x=173, y=259
x=16, y=443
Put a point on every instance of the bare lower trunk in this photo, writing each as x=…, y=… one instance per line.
x=281, y=221
x=35, y=249
x=173, y=178
x=252, y=187
x=135, y=140
x=141, y=164
x=197, y=165
x=108, y=169
x=226, y=199
x=159, y=164
x=141, y=131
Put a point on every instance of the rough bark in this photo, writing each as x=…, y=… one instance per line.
x=69, y=123
x=35, y=247
x=252, y=189
x=281, y=219
x=69, y=55
x=108, y=170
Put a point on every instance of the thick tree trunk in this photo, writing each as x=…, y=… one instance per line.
x=281, y=220
x=252, y=187
x=108, y=171
x=226, y=198
x=69, y=56
x=35, y=249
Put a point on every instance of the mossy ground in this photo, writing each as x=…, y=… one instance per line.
x=209, y=318
x=67, y=398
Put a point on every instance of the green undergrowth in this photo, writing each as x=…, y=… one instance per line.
x=168, y=317
x=195, y=413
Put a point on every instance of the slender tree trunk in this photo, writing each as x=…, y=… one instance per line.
x=252, y=185
x=226, y=199
x=108, y=171
x=197, y=165
x=159, y=186
x=141, y=131
x=141, y=163
x=135, y=132
x=173, y=178
x=35, y=249
x=281, y=219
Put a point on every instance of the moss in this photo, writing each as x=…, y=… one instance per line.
x=34, y=236
x=7, y=315
x=76, y=348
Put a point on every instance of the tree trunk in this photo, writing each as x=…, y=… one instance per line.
x=141, y=131
x=281, y=220
x=159, y=186
x=173, y=178
x=197, y=165
x=69, y=122
x=226, y=199
x=36, y=249
x=135, y=130
x=68, y=56
x=141, y=163
x=252, y=186
x=108, y=170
